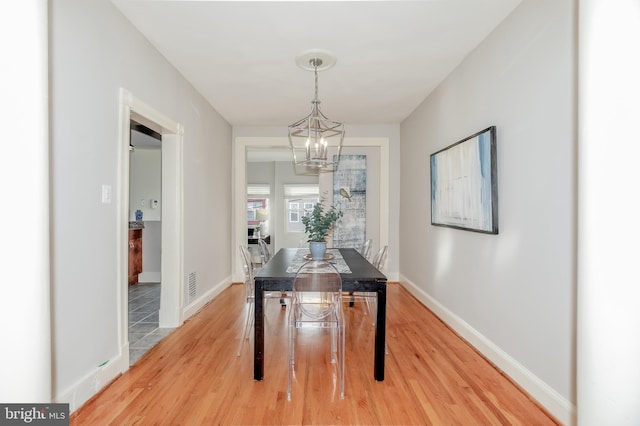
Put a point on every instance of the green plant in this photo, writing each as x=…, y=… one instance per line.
x=319, y=222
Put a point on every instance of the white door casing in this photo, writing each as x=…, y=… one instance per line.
x=240, y=185
x=172, y=251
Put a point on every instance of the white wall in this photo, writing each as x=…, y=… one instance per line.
x=145, y=176
x=25, y=357
x=608, y=295
x=94, y=52
x=512, y=295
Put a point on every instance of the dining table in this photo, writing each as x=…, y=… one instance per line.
x=358, y=275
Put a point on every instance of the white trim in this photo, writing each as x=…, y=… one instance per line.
x=240, y=184
x=172, y=247
x=89, y=385
x=546, y=396
x=172, y=214
x=207, y=297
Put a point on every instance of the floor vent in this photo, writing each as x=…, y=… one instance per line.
x=192, y=286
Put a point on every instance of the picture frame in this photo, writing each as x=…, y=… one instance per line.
x=464, y=184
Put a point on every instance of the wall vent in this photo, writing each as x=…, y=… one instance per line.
x=192, y=286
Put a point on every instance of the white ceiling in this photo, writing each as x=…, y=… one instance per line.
x=240, y=55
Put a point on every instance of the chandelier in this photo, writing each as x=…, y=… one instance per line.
x=311, y=137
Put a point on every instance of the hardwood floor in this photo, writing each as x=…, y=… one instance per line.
x=193, y=377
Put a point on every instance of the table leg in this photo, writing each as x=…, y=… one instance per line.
x=258, y=338
x=381, y=327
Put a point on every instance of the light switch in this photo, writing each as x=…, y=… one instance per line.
x=106, y=194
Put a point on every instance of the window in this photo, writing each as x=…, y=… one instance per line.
x=294, y=212
x=257, y=204
x=299, y=201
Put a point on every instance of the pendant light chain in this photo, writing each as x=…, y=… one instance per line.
x=316, y=63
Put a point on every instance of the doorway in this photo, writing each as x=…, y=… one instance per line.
x=170, y=205
x=145, y=226
x=267, y=169
x=245, y=144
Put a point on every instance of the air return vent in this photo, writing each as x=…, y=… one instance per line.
x=192, y=286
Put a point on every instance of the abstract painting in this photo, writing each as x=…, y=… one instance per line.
x=464, y=184
x=350, y=197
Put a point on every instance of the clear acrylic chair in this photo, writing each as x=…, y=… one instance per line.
x=380, y=258
x=265, y=254
x=378, y=262
x=371, y=299
x=365, y=250
x=316, y=301
x=249, y=285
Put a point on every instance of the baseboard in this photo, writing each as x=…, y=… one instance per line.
x=91, y=384
x=87, y=387
x=205, y=298
x=558, y=406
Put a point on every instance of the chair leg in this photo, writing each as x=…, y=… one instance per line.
x=247, y=327
x=341, y=333
x=335, y=335
x=372, y=304
x=291, y=358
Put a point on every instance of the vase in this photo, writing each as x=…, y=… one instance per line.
x=317, y=249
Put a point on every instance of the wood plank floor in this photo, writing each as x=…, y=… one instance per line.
x=193, y=377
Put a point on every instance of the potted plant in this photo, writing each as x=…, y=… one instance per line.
x=318, y=224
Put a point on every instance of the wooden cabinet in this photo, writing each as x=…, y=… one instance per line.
x=135, y=255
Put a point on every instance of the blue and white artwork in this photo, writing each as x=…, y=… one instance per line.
x=350, y=197
x=464, y=187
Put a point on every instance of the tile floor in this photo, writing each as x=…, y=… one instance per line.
x=144, y=304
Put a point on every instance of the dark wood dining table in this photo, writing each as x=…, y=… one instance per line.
x=364, y=277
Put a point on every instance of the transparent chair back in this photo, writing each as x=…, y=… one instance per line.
x=265, y=254
x=316, y=301
x=365, y=250
x=380, y=258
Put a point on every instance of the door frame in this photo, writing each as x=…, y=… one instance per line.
x=172, y=247
x=240, y=187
